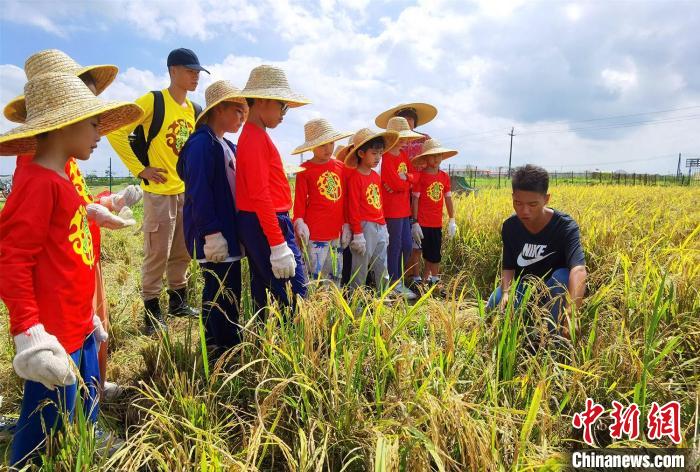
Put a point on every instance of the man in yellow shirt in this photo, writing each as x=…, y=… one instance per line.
x=164, y=242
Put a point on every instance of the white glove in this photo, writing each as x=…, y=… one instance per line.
x=105, y=219
x=128, y=196
x=451, y=228
x=402, y=176
x=100, y=332
x=302, y=230
x=345, y=236
x=358, y=244
x=417, y=233
x=215, y=247
x=41, y=358
x=282, y=260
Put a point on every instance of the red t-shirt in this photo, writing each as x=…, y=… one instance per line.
x=431, y=190
x=396, y=192
x=261, y=183
x=47, y=257
x=364, y=199
x=74, y=174
x=319, y=199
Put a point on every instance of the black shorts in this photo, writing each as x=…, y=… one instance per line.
x=431, y=243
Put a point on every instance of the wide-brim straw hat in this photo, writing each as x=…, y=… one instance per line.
x=271, y=83
x=318, y=132
x=349, y=154
x=432, y=147
x=338, y=149
x=218, y=92
x=55, y=101
x=424, y=111
x=53, y=60
x=400, y=125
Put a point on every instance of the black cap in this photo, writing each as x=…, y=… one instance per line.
x=184, y=57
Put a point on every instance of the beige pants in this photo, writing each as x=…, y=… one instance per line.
x=164, y=248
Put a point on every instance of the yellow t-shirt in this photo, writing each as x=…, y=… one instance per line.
x=178, y=123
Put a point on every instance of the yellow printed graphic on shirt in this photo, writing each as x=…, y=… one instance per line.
x=434, y=191
x=76, y=177
x=402, y=169
x=80, y=238
x=177, y=135
x=373, y=196
x=329, y=186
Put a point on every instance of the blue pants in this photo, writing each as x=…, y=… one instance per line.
x=400, y=245
x=257, y=250
x=41, y=406
x=557, y=285
x=221, y=297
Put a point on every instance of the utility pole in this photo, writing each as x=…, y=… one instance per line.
x=110, y=174
x=510, y=156
x=678, y=170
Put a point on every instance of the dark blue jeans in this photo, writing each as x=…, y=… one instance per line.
x=400, y=245
x=257, y=250
x=557, y=285
x=221, y=297
x=42, y=407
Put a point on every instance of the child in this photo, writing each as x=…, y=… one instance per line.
x=207, y=165
x=540, y=243
x=319, y=203
x=396, y=200
x=47, y=255
x=364, y=206
x=97, y=78
x=416, y=114
x=432, y=190
x=263, y=196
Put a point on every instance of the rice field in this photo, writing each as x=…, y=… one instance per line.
x=367, y=383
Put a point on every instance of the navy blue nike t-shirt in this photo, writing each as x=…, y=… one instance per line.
x=556, y=246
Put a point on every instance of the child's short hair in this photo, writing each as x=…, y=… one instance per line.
x=250, y=102
x=530, y=178
x=374, y=144
x=409, y=113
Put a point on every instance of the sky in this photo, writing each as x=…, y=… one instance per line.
x=610, y=85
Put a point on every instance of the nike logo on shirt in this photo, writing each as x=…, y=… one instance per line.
x=532, y=254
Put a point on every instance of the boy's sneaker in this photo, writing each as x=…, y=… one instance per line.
x=107, y=443
x=415, y=282
x=7, y=427
x=402, y=291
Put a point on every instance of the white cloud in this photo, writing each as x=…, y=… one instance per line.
x=619, y=81
x=487, y=66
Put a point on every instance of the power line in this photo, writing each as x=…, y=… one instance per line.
x=616, y=125
x=605, y=126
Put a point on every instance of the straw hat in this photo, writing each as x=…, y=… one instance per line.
x=53, y=60
x=217, y=92
x=58, y=100
x=432, y=147
x=270, y=82
x=400, y=125
x=318, y=132
x=360, y=138
x=424, y=111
